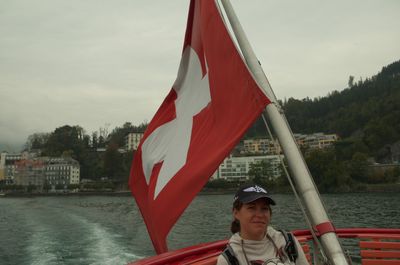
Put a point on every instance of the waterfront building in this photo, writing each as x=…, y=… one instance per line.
x=315, y=140
x=8, y=164
x=379, y=170
x=103, y=149
x=260, y=146
x=8, y=167
x=132, y=140
x=395, y=153
x=45, y=171
x=61, y=171
x=2, y=166
x=30, y=172
x=237, y=168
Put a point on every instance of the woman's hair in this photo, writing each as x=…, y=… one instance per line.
x=235, y=225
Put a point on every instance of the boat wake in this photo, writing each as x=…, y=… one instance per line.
x=60, y=236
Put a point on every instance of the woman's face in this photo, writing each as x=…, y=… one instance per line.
x=254, y=218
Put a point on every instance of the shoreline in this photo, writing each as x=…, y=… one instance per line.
x=392, y=188
x=66, y=194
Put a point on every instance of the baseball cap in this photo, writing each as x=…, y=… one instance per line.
x=250, y=193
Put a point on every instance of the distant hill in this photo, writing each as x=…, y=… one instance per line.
x=368, y=111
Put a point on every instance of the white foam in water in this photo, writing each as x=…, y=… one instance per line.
x=41, y=249
x=102, y=249
x=105, y=250
x=93, y=245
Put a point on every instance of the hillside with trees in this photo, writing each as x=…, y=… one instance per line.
x=366, y=116
x=98, y=154
x=367, y=113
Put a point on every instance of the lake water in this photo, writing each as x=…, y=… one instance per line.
x=109, y=230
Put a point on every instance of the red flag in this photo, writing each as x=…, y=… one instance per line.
x=212, y=103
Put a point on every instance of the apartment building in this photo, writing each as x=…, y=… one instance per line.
x=237, y=168
x=261, y=146
x=316, y=140
x=25, y=170
x=30, y=172
x=8, y=166
x=132, y=141
x=62, y=171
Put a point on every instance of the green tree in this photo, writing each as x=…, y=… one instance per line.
x=94, y=140
x=351, y=81
x=31, y=188
x=367, y=112
x=329, y=174
x=113, y=166
x=117, y=136
x=261, y=173
x=73, y=186
x=392, y=175
x=60, y=187
x=65, y=138
x=36, y=141
x=217, y=184
x=357, y=167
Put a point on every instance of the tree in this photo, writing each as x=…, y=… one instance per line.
x=351, y=81
x=117, y=136
x=346, y=148
x=86, y=141
x=101, y=142
x=31, y=188
x=358, y=167
x=73, y=186
x=368, y=111
x=328, y=172
x=94, y=140
x=65, y=138
x=217, y=184
x=261, y=173
x=67, y=153
x=113, y=162
x=60, y=187
x=36, y=141
x=392, y=175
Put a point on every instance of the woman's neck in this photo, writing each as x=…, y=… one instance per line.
x=257, y=237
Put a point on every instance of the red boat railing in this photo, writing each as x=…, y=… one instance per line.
x=375, y=246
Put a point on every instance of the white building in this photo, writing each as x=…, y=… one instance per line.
x=62, y=171
x=237, y=168
x=2, y=166
x=132, y=141
x=8, y=166
x=27, y=169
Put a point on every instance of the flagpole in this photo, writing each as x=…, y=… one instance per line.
x=300, y=173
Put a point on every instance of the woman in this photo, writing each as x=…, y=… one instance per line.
x=253, y=240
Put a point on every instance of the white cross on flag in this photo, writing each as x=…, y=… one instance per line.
x=212, y=103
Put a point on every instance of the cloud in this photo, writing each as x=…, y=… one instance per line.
x=92, y=62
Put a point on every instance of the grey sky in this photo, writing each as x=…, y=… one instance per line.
x=94, y=62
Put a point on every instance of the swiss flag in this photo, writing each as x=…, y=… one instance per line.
x=212, y=103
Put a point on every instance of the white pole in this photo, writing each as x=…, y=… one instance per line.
x=296, y=163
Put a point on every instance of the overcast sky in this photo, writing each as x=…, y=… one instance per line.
x=97, y=62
